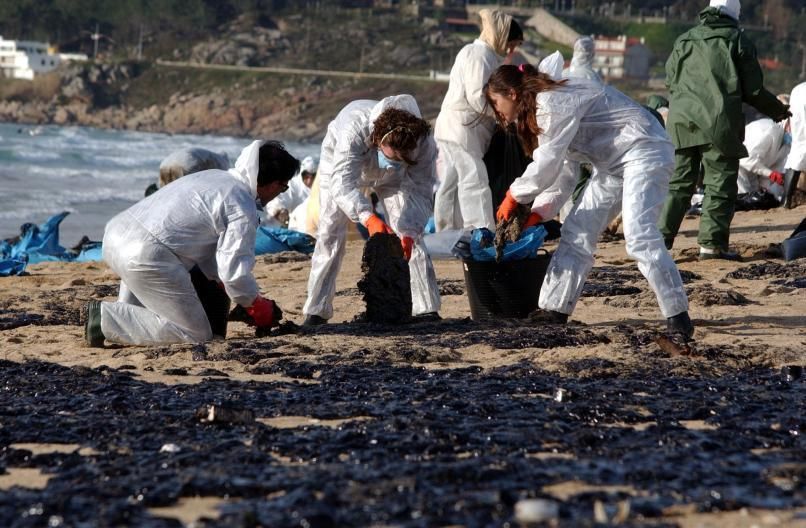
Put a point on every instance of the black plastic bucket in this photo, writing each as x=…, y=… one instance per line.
x=214, y=299
x=504, y=289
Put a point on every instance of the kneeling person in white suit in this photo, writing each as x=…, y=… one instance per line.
x=207, y=219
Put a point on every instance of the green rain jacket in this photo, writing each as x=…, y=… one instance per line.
x=712, y=69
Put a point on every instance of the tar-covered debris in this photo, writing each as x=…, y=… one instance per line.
x=510, y=230
x=451, y=287
x=707, y=295
x=456, y=446
x=771, y=270
x=385, y=282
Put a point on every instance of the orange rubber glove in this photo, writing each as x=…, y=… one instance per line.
x=777, y=177
x=533, y=220
x=263, y=312
x=376, y=225
x=507, y=208
x=408, y=245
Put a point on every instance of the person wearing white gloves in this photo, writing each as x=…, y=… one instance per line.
x=465, y=126
x=299, y=188
x=582, y=61
x=633, y=161
x=767, y=144
x=383, y=147
x=795, y=164
x=207, y=219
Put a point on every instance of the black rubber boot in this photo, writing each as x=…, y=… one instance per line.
x=92, y=325
x=427, y=317
x=680, y=324
x=548, y=317
x=791, y=178
x=314, y=320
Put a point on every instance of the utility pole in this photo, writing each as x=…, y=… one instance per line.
x=140, y=44
x=95, y=37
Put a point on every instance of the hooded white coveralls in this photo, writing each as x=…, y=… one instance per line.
x=764, y=141
x=189, y=160
x=633, y=161
x=582, y=61
x=797, y=155
x=207, y=219
x=464, y=129
x=348, y=170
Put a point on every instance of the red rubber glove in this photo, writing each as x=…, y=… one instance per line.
x=777, y=177
x=533, y=220
x=262, y=311
x=408, y=245
x=375, y=225
x=507, y=208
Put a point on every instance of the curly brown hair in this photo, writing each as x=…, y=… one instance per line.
x=527, y=82
x=399, y=130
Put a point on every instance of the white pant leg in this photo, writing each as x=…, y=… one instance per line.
x=331, y=244
x=573, y=259
x=171, y=311
x=447, y=214
x=473, y=194
x=125, y=295
x=645, y=188
x=424, y=288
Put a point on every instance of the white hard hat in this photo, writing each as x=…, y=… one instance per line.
x=732, y=8
x=309, y=164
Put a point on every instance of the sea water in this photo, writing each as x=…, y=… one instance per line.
x=92, y=173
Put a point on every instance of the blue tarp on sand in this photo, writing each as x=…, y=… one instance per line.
x=40, y=243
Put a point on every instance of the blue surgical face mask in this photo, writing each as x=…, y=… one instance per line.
x=386, y=163
x=787, y=138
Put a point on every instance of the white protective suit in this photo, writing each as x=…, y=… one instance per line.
x=207, y=219
x=582, y=61
x=348, y=170
x=464, y=129
x=764, y=140
x=797, y=105
x=633, y=160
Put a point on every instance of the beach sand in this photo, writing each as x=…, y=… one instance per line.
x=756, y=322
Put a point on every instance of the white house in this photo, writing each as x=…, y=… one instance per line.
x=622, y=57
x=22, y=59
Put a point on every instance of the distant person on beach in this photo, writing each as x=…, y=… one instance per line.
x=299, y=189
x=768, y=144
x=387, y=148
x=795, y=165
x=465, y=126
x=187, y=161
x=209, y=220
x=632, y=157
x=712, y=70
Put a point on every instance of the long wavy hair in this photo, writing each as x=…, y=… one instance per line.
x=527, y=82
x=400, y=130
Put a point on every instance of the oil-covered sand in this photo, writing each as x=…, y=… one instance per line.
x=424, y=424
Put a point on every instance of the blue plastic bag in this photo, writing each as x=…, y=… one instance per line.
x=277, y=239
x=483, y=249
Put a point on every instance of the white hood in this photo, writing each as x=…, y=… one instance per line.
x=247, y=166
x=402, y=102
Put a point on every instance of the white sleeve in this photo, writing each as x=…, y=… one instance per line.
x=235, y=254
x=559, y=124
x=476, y=74
x=348, y=157
x=548, y=203
x=417, y=191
